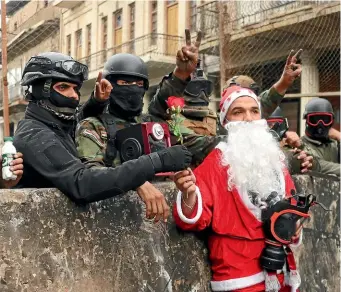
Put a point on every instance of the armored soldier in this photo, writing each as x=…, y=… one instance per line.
x=320, y=138
x=200, y=124
x=45, y=135
x=299, y=161
x=95, y=136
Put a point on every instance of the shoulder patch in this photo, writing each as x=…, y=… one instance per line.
x=93, y=136
x=104, y=135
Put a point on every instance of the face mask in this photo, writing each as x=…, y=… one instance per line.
x=319, y=132
x=62, y=101
x=126, y=100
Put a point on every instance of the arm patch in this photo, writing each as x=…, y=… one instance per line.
x=93, y=136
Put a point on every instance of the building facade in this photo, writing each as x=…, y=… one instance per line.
x=255, y=37
x=92, y=31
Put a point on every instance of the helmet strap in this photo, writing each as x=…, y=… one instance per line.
x=47, y=88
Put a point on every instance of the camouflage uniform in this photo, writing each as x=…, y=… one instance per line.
x=200, y=135
x=91, y=139
x=327, y=154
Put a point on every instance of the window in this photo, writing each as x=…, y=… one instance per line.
x=15, y=25
x=118, y=19
x=88, y=44
x=170, y=2
x=132, y=26
x=68, y=44
x=153, y=22
x=192, y=15
x=46, y=3
x=78, y=47
x=104, y=37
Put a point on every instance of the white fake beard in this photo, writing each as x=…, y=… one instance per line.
x=254, y=158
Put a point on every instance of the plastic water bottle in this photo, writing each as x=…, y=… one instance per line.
x=8, y=152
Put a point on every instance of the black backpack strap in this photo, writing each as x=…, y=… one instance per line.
x=109, y=123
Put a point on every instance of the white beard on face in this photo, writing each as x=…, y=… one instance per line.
x=254, y=158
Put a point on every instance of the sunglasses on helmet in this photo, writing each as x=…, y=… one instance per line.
x=315, y=118
x=68, y=66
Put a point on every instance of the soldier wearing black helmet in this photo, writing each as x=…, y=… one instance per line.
x=320, y=138
x=299, y=161
x=95, y=135
x=45, y=135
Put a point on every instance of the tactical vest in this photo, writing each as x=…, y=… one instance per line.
x=109, y=123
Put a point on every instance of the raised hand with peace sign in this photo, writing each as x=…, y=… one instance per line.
x=187, y=56
x=291, y=71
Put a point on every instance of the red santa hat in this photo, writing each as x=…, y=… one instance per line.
x=230, y=94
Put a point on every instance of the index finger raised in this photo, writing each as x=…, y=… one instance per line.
x=99, y=77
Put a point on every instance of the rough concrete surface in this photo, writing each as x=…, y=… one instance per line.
x=49, y=244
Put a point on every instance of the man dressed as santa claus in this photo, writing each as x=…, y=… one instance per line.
x=228, y=192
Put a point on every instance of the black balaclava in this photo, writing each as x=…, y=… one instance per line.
x=62, y=106
x=319, y=132
x=126, y=101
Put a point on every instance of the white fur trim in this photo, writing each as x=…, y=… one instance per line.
x=299, y=242
x=232, y=97
x=179, y=208
x=239, y=283
x=221, y=146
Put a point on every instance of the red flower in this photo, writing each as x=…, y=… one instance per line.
x=174, y=101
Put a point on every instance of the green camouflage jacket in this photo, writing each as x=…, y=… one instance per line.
x=91, y=139
x=327, y=154
x=198, y=143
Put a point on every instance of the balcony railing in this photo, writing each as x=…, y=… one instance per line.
x=150, y=45
x=239, y=14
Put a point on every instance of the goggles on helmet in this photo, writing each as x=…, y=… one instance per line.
x=70, y=67
x=315, y=118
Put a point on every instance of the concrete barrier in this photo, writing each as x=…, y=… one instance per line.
x=49, y=244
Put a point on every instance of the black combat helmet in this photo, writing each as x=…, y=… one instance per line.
x=318, y=105
x=277, y=114
x=53, y=65
x=126, y=65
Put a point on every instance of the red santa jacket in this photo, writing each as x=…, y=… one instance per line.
x=237, y=238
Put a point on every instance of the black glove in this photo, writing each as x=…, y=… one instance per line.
x=174, y=158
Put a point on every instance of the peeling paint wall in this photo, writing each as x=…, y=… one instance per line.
x=49, y=244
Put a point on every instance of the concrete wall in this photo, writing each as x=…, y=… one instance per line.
x=48, y=244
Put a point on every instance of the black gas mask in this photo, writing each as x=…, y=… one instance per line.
x=199, y=89
x=280, y=228
x=318, y=125
x=126, y=101
x=278, y=127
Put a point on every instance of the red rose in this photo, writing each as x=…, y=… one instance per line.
x=175, y=101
